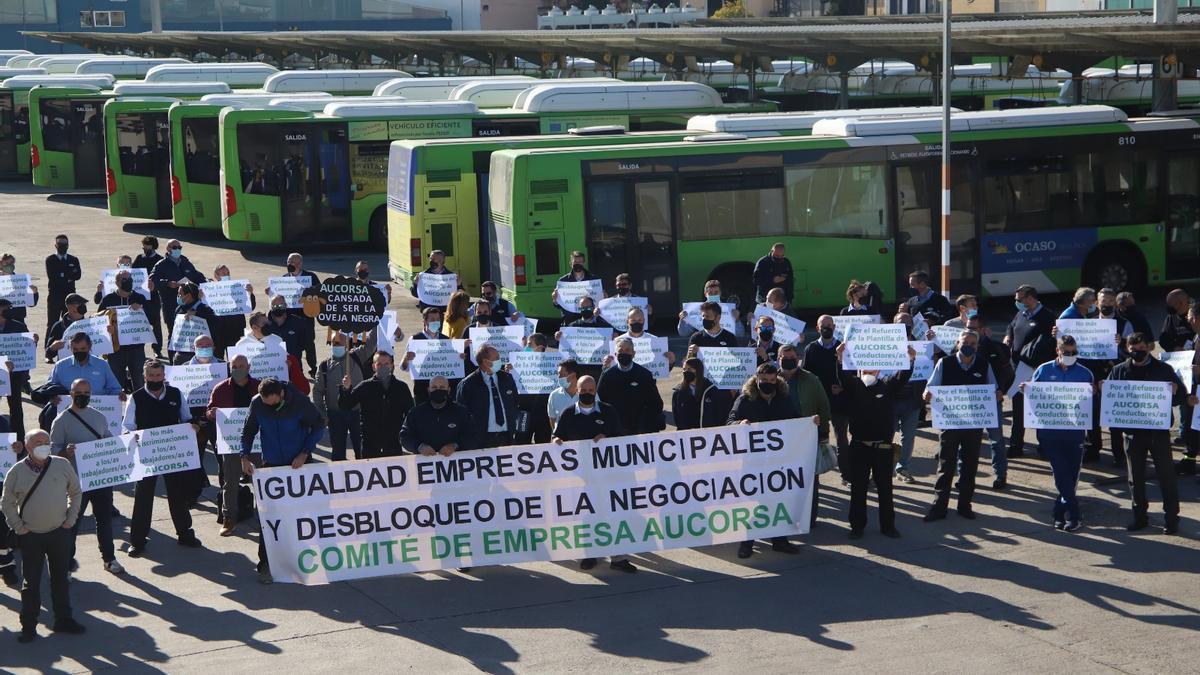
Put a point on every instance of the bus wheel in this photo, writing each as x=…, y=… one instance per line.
x=737, y=280
x=1120, y=268
x=377, y=234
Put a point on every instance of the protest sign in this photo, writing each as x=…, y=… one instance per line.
x=649, y=352
x=876, y=347
x=529, y=324
x=5, y=379
x=97, y=328
x=265, y=360
x=7, y=456
x=227, y=298
x=437, y=358
x=133, y=327
x=569, y=293
x=946, y=338
x=692, y=316
x=16, y=289
x=922, y=366
x=386, y=336
x=291, y=288
x=971, y=406
x=351, y=520
x=842, y=323
x=186, y=330
x=230, y=422
x=788, y=330
x=1181, y=362
x=349, y=304
x=196, y=381
x=1058, y=405
x=109, y=405
x=506, y=340
x=728, y=367
x=106, y=462
x=21, y=349
x=615, y=310
x=165, y=450
x=586, y=345
x=1131, y=404
x=1024, y=374
x=1096, y=338
x=139, y=275
x=536, y=372
x=435, y=289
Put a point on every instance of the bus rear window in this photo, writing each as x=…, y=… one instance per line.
x=133, y=147
x=56, y=125
x=201, y=150
x=545, y=257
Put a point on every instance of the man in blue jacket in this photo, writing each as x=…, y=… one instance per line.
x=289, y=427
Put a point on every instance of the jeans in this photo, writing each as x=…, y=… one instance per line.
x=958, y=446
x=39, y=550
x=1157, y=444
x=101, y=500
x=342, y=422
x=867, y=461
x=1066, y=458
x=999, y=452
x=906, y=422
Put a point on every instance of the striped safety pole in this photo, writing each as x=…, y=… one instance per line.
x=947, y=73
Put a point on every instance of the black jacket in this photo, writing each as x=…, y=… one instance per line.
x=167, y=270
x=474, y=395
x=1155, y=371
x=765, y=271
x=382, y=411
x=635, y=396
x=1139, y=322
x=1032, y=332
x=437, y=427
x=204, y=313
x=61, y=275
x=293, y=331
x=113, y=300
x=822, y=362
x=873, y=409
x=936, y=309
x=575, y=427
x=752, y=407
x=1176, y=332
x=722, y=339
x=709, y=407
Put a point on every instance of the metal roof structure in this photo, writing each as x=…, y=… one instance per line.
x=1068, y=40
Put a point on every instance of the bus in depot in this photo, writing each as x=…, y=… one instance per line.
x=137, y=145
x=347, y=82
x=7, y=55
x=439, y=88
x=438, y=188
x=1054, y=197
x=16, y=156
x=266, y=148
x=66, y=128
x=236, y=75
x=502, y=93
x=1130, y=88
x=124, y=68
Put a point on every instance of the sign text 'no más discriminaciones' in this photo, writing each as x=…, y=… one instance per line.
x=679, y=489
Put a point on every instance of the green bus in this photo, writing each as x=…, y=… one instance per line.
x=1054, y=197
x=16, y=153
x=438, y=188
x=293, y=176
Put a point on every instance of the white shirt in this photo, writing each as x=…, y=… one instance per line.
x=129, y=423
x=493, y=384
x=558, y=403
x=579, y=410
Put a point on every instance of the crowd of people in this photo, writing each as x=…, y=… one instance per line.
x=358, y=397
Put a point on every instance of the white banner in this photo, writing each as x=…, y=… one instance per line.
x=1182, y=363
x=437, y=358
x=1024, y=374
x=971, y=406
x=1130, y=404
x=96, y=328
x=7, y=457
x=586, y=345
x=506, y=340
x=197, y=381
x=1096, y=338
x=185, y=333
x=530, y=325
x=693, y=318
x=289, y=287
x=133, y=327
x=876, y=347
x=265, y=361
x=372, y=518
x=1058, y=405
x=615, y=310
x=16, y=289
x=922, y=366
x=385, y=337
x=841, y=323
x=227, y=298
x=133, y=456
x=649, y=352
x=107, y=462
x=569, y=293
x=230, y=422
x=946, y=338
x=435, y=289
x=139, y=275
x=788, y=330
x=536, y=372
x=21, y=349
x=728, y=367
x=5, y=378
x=109, y=405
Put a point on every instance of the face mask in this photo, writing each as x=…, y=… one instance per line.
x=8, y=269
x=40, y=452
x=972, y=313
x=587, y=399
x=279, y=406
x=81, y=400
x=564, y=382
x=204, y=352
x=869, y=379
x=61, y=248
x=483, y=319
x=222, y=277
x=708, y=324
x=239, y=373
x=1107, y=311
x=586, y=312
x=80, y=356
x=765, y=387
x=636, y=327
x=364, y=274
x=789, y=364
x=179, y=301
x=81, y=309
x=577, y=267
x=435, y=326
x=147, y=251
x=176, y=253
x=383, y=372
x=766, y=333
x=967, y=351
x=624, y=360
x=1093, y=312
x=1068, y=361
x=623, y=292
x=291, y=268
x=1139, y=355
x=439, y=396
x=689, y=376
x=154, y=386
x=278, y=312
x=125, y=285
x=713, y=298
x=339, y=351
x=1019, y=305
x=489, y=296
x=827, y=333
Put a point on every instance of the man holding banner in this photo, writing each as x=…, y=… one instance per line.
x=631, y=389
x=235, y=392
x=127, y=360
x=1062, y=445
x=439, y=425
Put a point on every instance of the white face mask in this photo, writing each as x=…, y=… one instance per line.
x=1068, y=361
x=40, y=452
x=869, y=379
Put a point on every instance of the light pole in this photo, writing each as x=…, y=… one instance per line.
x=947, y=73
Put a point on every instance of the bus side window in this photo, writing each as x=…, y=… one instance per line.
x=545, y=258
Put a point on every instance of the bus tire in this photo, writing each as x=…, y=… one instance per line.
x=377, y=232
x=1119, y=266
x=737, y=279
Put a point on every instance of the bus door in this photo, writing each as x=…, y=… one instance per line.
x=629, y=229
x=334, y=189
x=917, y=204
x=8, y=144
x=87, y=141
x=1183, y=216
x=159, y=136
x=299, y=185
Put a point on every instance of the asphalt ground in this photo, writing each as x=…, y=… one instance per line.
x=1003, y=593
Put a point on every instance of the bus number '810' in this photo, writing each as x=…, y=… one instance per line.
x=1126, y=140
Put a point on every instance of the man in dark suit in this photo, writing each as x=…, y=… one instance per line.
x=1028, y=336
x=490, y=395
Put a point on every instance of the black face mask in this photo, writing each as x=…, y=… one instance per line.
x=587, y=399
x=708, y=324
x=125, y=285
x=789, y=364
x=147, y=251
x=1107, y=311
x=278, y=311
x=291, y=268
x=586, y=312
x=826, y=333
x=689, y=376
x=81, y=309
x=81, y=400
x=155, y=386
x=483, y=320
x=624, y=360
x=765, y=387
x=439, y=396
x=576, y=267
x=80, y=356
x=61, y=248
x=623, y=292
x=636, y=326
x=1139, y=355
x=364, y=274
